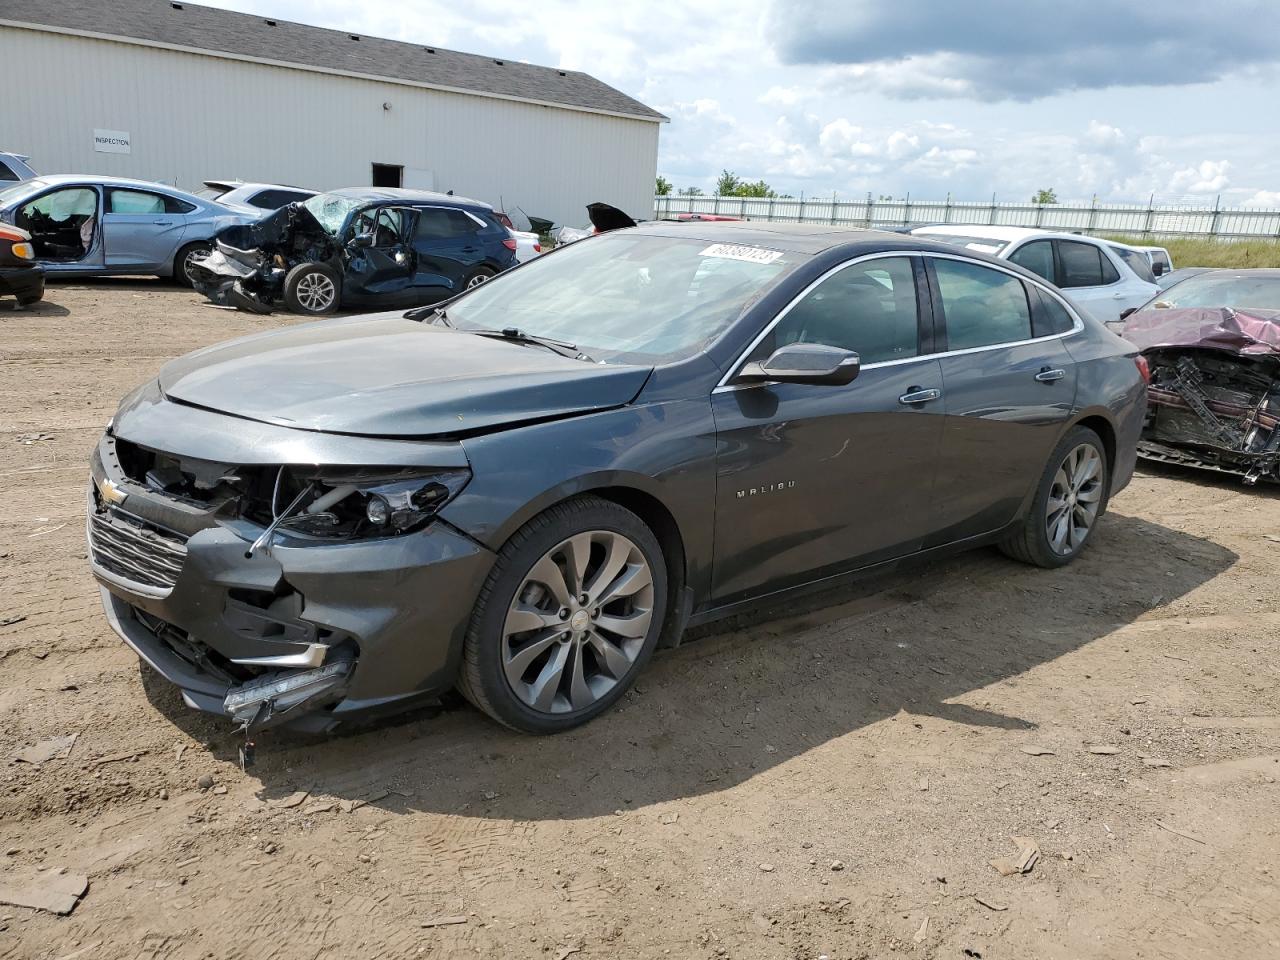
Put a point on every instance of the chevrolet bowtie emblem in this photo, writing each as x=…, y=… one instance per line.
x=110, y=492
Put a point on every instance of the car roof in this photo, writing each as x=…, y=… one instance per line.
x=981, y=231
x=57, y=179
x=805, y=238
x=1234, y=271
x=401, y=195
x=230, y=185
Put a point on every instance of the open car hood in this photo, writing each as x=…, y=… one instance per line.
x=1245, y=333
x=383, y=375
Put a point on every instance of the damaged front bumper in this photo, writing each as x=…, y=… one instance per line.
x=305, y=635
x=238, y=278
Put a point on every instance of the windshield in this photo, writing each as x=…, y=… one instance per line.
x=331, y=211
x=17, y=190
x=628, y=297
x=1221, y=289
x=981, y=244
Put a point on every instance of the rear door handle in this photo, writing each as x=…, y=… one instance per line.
x=917, y=395
x=160, y=223
x=1049, y=376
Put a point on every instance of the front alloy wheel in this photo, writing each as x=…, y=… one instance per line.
x=567, y=617
x=1074, y=498
x=578, y=622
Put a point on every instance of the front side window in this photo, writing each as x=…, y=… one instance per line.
x=61, y=223
x=384, y=223
x=1037, y=257
x=981, y=306
x=1082, y=265
x=1136, y=261
x=628, y=297
x=869, y=308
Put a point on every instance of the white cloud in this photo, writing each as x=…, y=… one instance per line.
x=1209, y=176
x=1268, y=199
x=1105, y=137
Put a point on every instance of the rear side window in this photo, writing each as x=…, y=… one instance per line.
x=444, y=223
x=869, y=308
x=1048, y=316
x=1037, y=257
x=275, y=199
x=6, y=173
x=981, y=306
x=1084, y=265
x=141, y=203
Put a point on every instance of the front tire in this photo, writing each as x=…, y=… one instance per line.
x=567, y=618
x=182, y=263
x=312, y=289
x=1070, y=498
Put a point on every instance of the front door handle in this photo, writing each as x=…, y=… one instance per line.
x=1049, y=376
x=918, y=395
x=160, y=223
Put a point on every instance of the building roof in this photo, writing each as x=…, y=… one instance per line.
x=246, y=36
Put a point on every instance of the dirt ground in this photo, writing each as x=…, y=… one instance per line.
x=831, y=779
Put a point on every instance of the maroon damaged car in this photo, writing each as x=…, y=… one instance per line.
x=1212, y=343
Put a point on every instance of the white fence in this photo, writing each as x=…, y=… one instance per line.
x=1134, y=220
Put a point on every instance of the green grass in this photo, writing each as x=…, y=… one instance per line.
x=1213, y=253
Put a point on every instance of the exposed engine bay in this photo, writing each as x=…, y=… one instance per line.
x=1214, y=394
x=250, y=263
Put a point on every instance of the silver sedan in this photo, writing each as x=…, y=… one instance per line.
x=99, y=226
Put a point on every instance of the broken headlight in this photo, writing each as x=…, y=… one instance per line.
x=350, y=503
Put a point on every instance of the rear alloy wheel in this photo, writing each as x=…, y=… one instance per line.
x=570, y=613
x=479, y=277
x=311, y=289
x=186, y=257
x=1071, y=496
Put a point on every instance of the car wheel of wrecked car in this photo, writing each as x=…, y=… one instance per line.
x=567, y=618
x=185, y=260
x=311, y=289
x=479, y=276
x=1071, y=496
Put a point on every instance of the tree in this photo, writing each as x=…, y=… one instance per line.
x=727, y=185
x=690, y=191
x=663, y=186
x=1045, y=196
x=730, y=185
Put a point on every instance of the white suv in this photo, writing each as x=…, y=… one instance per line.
x=1091, y=272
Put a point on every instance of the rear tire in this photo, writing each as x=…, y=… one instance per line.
x=479, y=276
x=536, y=658
x=182, y=262
x=1070, y=498
x=312, y=289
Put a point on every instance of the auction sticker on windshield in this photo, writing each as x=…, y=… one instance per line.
x=737, y=251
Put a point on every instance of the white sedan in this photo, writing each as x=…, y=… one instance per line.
x=1090, y=271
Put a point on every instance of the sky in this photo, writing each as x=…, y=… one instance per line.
x=1122, y=101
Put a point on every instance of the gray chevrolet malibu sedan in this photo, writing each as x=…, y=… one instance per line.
x=524, y=491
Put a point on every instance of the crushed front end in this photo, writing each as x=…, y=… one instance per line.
x=249, y=263
x=1214, y=394
x=272, y=591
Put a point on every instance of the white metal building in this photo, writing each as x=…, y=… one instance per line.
x=181, y=93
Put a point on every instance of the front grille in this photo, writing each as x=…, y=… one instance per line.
x=136, y=551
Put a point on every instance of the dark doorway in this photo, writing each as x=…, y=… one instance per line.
x=387, y=175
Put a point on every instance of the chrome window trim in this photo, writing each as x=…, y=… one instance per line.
x=725, y=386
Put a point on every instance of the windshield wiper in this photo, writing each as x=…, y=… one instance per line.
x=516, y=335
x=424, y=313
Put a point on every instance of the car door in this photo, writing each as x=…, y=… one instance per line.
x=1008, y=391
x=815, y=479
x=65, y=228
x=382, y=263
x=448, y=251
x=141, y=229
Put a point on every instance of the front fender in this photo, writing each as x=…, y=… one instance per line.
x=666, y=450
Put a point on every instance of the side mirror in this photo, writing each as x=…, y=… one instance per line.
x=1157, y=268
x=1127, y=312
x=360, y=241
x=813, y=363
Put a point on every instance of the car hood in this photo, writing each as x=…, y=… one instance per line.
x=383, y=375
